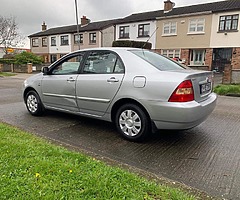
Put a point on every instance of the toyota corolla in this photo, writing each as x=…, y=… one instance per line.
x=138, y=90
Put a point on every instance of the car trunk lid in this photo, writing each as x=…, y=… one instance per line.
x=202, y=82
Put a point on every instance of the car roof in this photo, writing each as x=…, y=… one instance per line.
x=116, y=49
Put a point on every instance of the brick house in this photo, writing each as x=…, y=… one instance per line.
x=53, y=43
x=204, y=36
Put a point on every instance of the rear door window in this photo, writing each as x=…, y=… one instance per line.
x=103, y=62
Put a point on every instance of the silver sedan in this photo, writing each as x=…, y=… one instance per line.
x=136, y=89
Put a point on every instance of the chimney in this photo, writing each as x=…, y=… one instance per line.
x=44, y=27
x=168, y=6
x=84, y=20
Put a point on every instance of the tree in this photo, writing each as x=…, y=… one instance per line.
x=9, y=34
x=27, y=57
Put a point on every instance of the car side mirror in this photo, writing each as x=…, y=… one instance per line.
x=45, y=70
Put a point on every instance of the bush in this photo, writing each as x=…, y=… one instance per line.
x=27, y=57
x=227, y=89
x=132, y=43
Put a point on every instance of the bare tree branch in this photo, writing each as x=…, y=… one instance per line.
x=9, y=34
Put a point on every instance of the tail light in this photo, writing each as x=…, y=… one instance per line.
x=183, y=93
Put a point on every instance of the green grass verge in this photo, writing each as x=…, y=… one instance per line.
x=227, y=89
x=7, y=74
x=32, y=168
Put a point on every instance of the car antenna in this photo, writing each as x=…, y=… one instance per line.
x=149, y=38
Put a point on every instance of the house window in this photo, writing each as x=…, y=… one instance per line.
x=35, y=42
x=53, y=58
x=171, y=53
x=44, y=41
x=196, y=25
x=124, y=32
x=143, y=30
x=53, y=41
x=92, y=38
x=169, y=28
x=78, y=38
x=197, y=57
x=228, y=23
x=64, y=40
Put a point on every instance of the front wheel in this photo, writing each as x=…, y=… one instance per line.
x=34, y=104
x=132, y=122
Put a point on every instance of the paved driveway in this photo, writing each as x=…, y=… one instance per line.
x=206, y=157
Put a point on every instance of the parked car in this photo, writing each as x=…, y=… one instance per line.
x=136, y=89
x=179, y=60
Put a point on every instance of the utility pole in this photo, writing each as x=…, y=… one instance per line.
x=78, y=35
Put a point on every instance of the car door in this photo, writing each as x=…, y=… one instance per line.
x=59, y=85
x=101, y=77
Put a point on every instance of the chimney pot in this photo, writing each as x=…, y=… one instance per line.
x=84, y=20
x=168, y=5
x=44, y=27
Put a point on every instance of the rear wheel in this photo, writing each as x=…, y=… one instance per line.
x=132, y=122
x=33, y=103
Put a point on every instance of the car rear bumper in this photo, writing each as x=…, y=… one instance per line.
x=168, y=115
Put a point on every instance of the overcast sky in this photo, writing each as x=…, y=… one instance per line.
x=31, y=13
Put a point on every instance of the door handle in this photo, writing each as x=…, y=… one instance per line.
x=70, y=79
x=112, y=80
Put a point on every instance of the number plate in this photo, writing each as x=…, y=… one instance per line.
x=205, y=88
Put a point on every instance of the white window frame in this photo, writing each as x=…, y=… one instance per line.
x=171, y=53
x=196, y=23
x=170, y=26
x=195, y=54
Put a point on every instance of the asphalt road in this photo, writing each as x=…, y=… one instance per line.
x=206, y=157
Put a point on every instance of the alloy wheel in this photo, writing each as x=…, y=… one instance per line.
x=32, y=103
x=130, y=123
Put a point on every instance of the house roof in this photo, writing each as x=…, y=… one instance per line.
x=93, y=26
x=220, y=6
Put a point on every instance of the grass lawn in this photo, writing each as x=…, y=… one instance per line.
x=32, y=168
x=227, y=89
x=7, y=74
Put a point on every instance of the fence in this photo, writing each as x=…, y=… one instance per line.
x=28, y=68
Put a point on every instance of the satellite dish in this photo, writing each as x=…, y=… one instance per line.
x=173, y=4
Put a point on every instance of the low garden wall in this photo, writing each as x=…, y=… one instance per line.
x=28, y=68
x=235, y=76
x=231, y=76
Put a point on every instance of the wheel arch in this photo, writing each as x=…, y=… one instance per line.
x=121, y=102
x=27, y=90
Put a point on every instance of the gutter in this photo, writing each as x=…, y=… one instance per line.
x=185, y=15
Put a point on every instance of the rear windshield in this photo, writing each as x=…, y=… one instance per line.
x=158, y=61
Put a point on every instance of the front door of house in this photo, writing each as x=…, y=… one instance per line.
x=221, y=57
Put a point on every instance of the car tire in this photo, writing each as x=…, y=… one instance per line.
x=34, y=104
x=133, y=123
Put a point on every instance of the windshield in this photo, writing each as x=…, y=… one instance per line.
x=158, y=61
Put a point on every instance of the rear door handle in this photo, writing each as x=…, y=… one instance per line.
x=70, y=79
x=112, y=80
